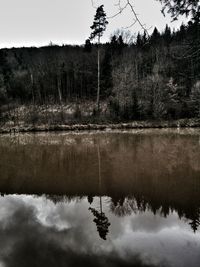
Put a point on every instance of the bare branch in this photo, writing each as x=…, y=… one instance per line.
x=136, y=16
x=93, y=5
x=131, y=25
x=121, y=9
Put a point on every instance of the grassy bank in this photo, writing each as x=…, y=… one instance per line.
x=75, y=117
x=109, y=126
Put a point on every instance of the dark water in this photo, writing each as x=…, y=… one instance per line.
x=100, y=199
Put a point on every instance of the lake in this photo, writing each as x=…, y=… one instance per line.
x=124, y=198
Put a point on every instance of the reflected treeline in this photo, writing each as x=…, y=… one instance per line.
x=160, y=169
x=126, y=205
x=123, y=206
x=100, y=219
x=63, y=198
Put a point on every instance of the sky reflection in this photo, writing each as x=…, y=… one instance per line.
x=38, y=231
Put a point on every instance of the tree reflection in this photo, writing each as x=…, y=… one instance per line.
x=195, y=224
x=90, y=199
x=102, y=222
x=126, y=205
x=120, y=207
x=195, y=220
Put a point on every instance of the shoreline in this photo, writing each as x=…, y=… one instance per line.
x=182, y=123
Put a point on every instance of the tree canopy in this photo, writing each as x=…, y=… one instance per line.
x=99, y=24
x=189, y=8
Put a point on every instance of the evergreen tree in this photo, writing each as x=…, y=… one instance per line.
x=167, y=35
x=88, y=46
x=139, y=42
x=113, y=44
x=121, y=44
x=155, y=36
x=144, y=38
x=98, y=28
x=181, y=33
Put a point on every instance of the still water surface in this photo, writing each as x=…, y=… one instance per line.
x=100, y=199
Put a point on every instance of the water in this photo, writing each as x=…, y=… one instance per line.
x=100, y=199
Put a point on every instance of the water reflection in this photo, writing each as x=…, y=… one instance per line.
x=111, y=199
x=101, y=221
x=37, y=231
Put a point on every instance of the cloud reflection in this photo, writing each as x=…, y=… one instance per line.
x=35, y=231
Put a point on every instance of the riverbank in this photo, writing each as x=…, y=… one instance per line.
x=182, y=123
x=75, y=117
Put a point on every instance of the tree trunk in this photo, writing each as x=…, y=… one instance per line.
x=32, y=88
x=59, y=89
x=98, y=87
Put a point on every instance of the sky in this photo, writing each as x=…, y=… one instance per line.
x=39, y=22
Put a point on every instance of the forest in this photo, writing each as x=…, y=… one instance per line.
x=142, y=77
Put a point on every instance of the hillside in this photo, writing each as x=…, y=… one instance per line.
x=156, y=78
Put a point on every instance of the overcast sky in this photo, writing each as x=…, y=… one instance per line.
x=37, y=22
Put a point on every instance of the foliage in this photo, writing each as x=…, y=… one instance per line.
x=182, y=7
x=99, y=24
x=158, y=79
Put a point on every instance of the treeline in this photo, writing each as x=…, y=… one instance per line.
x=152, y=77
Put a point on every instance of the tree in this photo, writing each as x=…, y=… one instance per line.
x=88, y=46
x=180, y=7
x=195, y=100
x=139, y=40
x=155, y=37
x=167, y=35
x=113, y=42
x=98, y=27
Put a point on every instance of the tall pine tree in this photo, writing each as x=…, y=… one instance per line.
x=98, y=28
